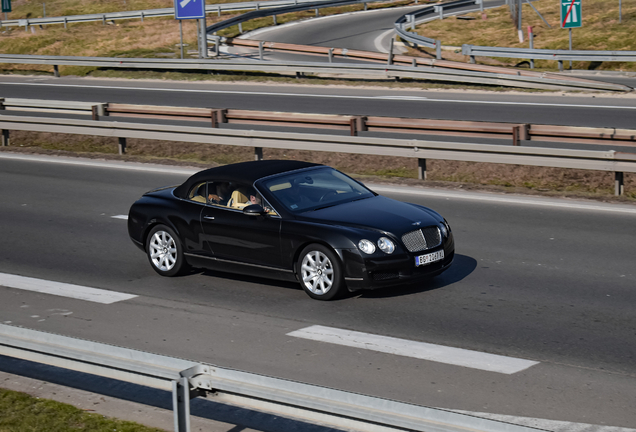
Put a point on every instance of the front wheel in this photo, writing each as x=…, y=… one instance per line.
x=165, y=252
x=319, y=272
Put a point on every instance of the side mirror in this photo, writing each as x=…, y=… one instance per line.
x=254, y=210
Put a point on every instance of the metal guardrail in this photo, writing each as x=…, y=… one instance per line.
x=297, y=7
x=150, y=13
x=517, y=132
x=446, y=71
x=543, y=54
x=187, y=379
x=411, y=18
x=618, y=162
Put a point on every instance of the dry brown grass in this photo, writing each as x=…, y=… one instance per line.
x=600, y=31
x=503, y=178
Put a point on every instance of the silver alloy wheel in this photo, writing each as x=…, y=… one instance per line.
x=317, y=272
x=163, y=251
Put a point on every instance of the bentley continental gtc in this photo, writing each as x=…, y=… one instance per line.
x=293, y=221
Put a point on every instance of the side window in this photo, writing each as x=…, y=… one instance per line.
x=197, y=193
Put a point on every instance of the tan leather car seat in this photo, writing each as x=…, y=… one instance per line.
x=239, y=200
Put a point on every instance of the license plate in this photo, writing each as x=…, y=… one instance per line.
x=429, y=258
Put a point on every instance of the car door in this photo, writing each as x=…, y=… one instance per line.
x=235, y=236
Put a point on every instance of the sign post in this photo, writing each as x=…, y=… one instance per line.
x=193, y=9
x=571, y=17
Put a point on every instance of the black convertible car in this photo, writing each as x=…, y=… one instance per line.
x=290, y=220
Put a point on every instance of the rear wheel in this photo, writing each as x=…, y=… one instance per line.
x=320, y=272
x=165, y=252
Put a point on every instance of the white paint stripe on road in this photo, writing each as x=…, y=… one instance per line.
x=420, y=350
x=62, y=289
x=327, y=96
x=124, y=217
x=485, y=197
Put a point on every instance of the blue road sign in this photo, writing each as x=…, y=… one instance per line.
x=189, y=9
x=6, y=5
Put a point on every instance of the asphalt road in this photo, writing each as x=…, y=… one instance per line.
x=598, y=110
x=539, y=280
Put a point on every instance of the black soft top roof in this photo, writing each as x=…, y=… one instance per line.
x=244, y=172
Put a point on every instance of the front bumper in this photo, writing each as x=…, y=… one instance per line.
x=379, y=272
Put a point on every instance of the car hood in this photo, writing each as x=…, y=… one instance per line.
x=377, y=213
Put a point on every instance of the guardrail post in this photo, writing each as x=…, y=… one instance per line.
x=103, y=19
x=217, y=46
x=560, y=65
x=357, y=124
x=274, y=16
x=330, y=55
x=218, y=11
x=516, y=132
x=525, y=132
x=317, y=12
x=258, y=153
x=181, y=404
x=365, y=5
x=142, y=16
x=389, y=60
x=122, y=146
x=619, y=184
x=95, y=112
x=65, y=21
x=6, y=141
x=481, y=5
x=218, y=116
x=56, y=71
x=438, y=49
x=421, y=169
x=260, y=50
x=240, y=28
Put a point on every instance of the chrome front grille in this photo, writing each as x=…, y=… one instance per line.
x=422, y=239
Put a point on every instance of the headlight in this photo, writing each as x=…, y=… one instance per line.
x=386, y=245
x=443, y=229
x=366, y=246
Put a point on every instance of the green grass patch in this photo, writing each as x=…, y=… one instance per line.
x=21, y=412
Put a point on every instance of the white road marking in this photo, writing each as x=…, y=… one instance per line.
x=124, y=217
x=327, y=96
x=62, y=289
x=420, y=350
x=554, y=203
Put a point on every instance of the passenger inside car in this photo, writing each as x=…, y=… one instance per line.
x=219, y=193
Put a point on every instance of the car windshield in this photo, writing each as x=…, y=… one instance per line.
x=315, y=189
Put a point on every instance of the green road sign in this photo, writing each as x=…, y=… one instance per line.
x=571, y=13
x=6, y=5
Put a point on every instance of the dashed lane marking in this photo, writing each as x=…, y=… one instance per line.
x=95, y=295
x=420, y=350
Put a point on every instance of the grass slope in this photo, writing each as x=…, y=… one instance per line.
x=601, y=30
x=20, y=412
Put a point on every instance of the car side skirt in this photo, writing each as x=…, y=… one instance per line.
x=237, y=267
